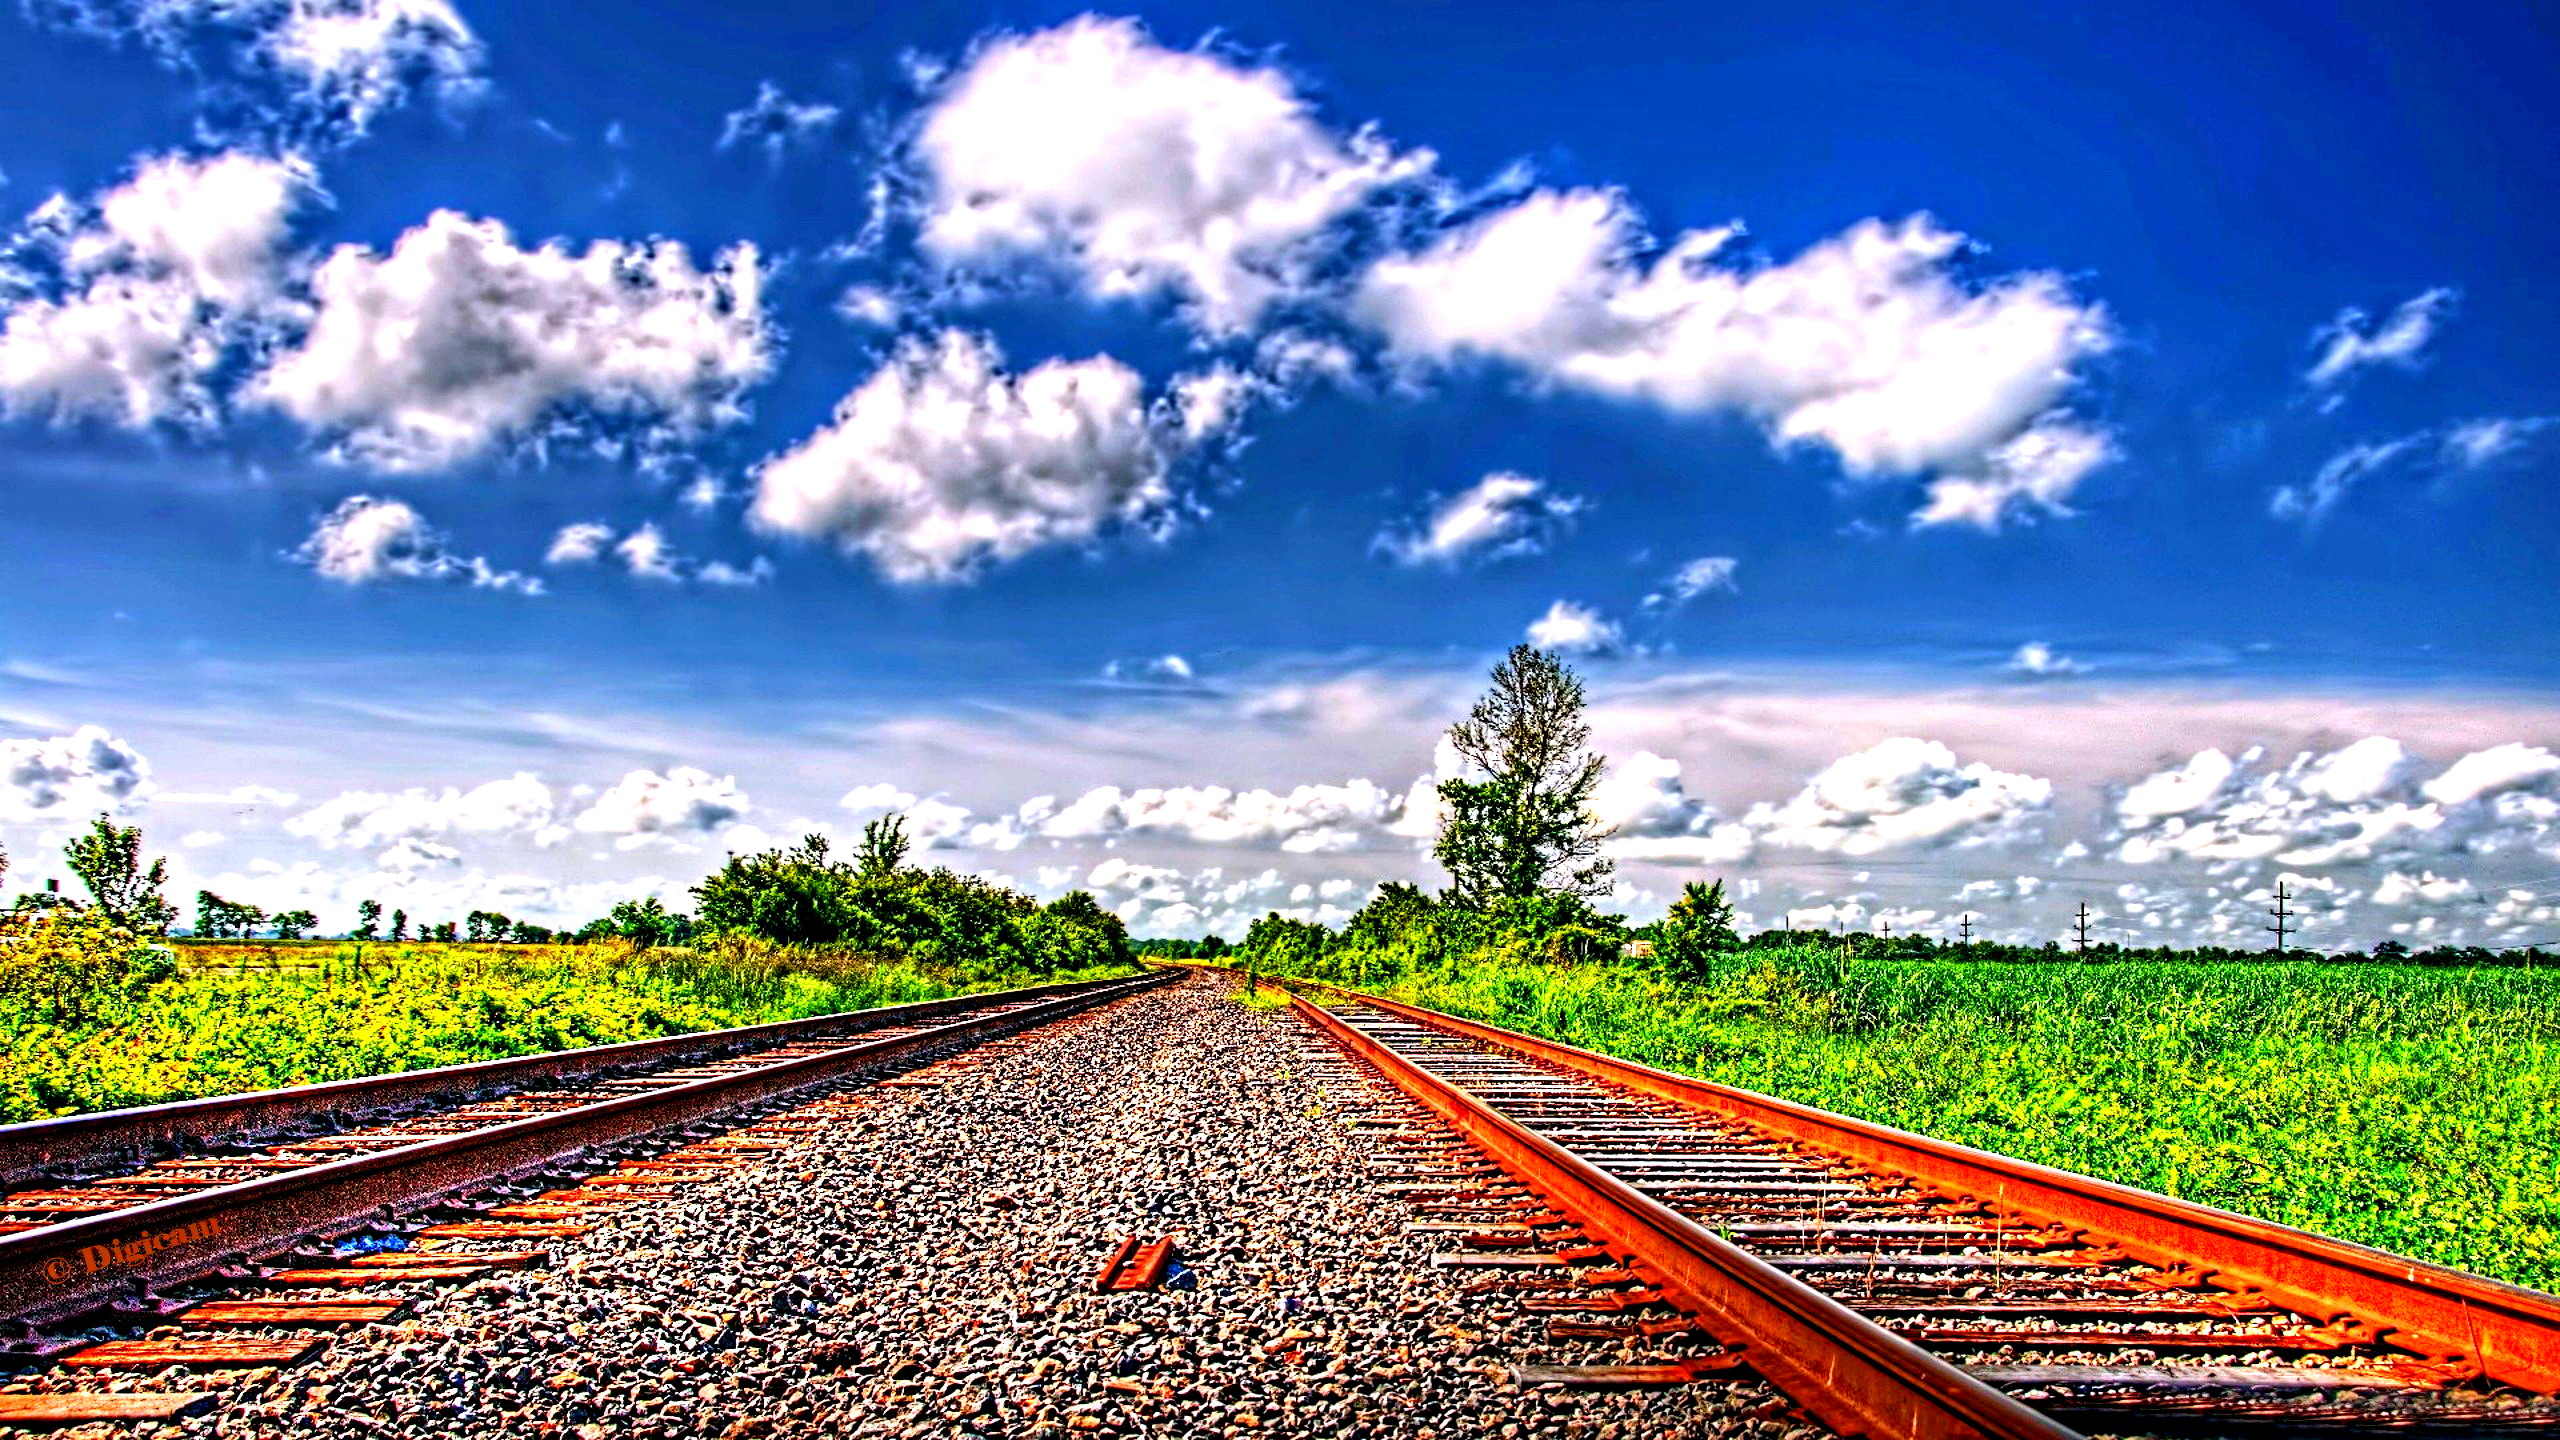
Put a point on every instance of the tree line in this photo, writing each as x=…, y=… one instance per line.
x=1525, y=862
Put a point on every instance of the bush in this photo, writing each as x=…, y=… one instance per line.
x=71, y=967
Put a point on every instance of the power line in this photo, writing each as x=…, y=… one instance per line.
x=2080, y=926
x=2282, y=915
x=1964, y=929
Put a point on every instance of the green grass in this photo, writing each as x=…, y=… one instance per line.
x=2413, y=1109
x=255, y=1017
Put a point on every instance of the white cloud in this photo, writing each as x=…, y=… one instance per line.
x=2475, y=443
x=198, y=839
x=645, y=806
x=2040, y=661
x=344, y=61
x=1904, y=793
x=459, y=339
x=582, y=543
x=159, y=284
x=2466, y=446
x=1571, y=629
x=2032, y=474
x=1703, y=576
x=1308, y=819
x=1211, y=403
x=777, y=122
x=2340, y=474
x=1651, y=816
x=1160, y=670
x=2424, y=888
x=2364, y=803
x=868, y=305
x=1866, y=343
x=370, y=539
x=70, y=777
x=1160, y=900
x=1141, y=168
x=2354, y=339
x=941, y=463
x=520, y=805
x=646, y=554
x=1500, y=517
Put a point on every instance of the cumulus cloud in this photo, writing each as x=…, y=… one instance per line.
x=2039, y=661
x=1904, y=793
x=646, y=554
x=645, y=807
x=371, y=539
x=70, y=777
x=934, y=823
x=339, y=62
x=1500, y=517
x=1703, y=576
x=1649, y=815
x=520, y=806
x=1867, y=343
x=1161, y=900
x=459, y=339
x=2032, y=474
x=152, y=288
x=942, y=464
x=2367, y=802
x=778, y=123
x=1571, y=629
x=2425, y=888
x=1140, y=168
x=1307, y=819
x=582, y=543
x=2353, y=340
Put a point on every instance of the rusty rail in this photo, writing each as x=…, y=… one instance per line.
x=1853, y=1375
x=110, y=1138
x=80, y=1265
x=2511, y=1333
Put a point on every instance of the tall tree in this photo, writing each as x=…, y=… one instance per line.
x=109, y=861
x=884, y=846
x=1525, y=828
x=369, y=918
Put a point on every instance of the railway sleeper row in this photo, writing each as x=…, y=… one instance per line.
x=167, y=1357
x=2063, y=1321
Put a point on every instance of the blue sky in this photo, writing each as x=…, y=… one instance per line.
x=2076, y=456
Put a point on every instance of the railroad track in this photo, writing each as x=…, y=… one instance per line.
x=1894, y=1285
x=233, y=1180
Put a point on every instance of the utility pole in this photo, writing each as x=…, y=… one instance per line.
x=2080, y=927
x=1964, y=929
x=2282, y=915
x=1884, y=927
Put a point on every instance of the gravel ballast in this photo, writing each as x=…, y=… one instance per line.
x=925, y=1267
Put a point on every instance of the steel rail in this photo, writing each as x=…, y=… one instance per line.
x=1850, y=1373
x=81, y=1265
x=31, y=1151
x=2511, y=1333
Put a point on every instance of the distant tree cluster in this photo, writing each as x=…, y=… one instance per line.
x=803, y=895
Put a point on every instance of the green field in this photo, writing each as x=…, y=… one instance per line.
x=2415, y=1109
x=256, y=1016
